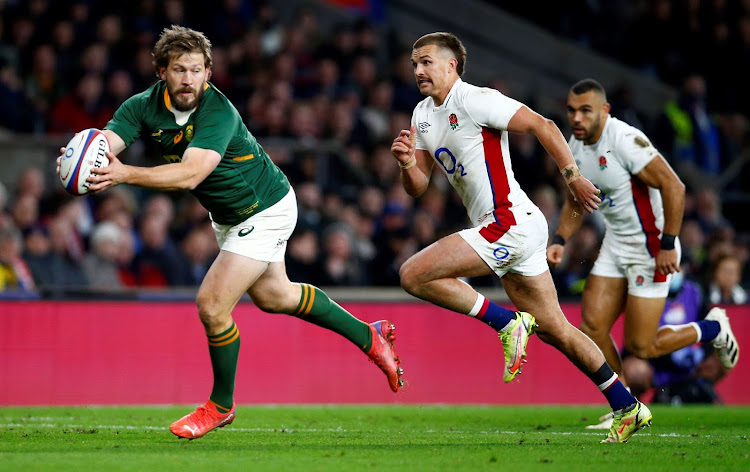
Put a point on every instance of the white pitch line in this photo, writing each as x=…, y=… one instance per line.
x=313, y=430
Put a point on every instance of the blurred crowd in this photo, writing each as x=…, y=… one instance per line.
x=326, y=105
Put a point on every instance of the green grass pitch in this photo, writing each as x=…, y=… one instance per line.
x=356, y=438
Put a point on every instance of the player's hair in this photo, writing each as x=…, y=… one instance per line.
x=178, y=40
x=446, y=41
x=587, y=85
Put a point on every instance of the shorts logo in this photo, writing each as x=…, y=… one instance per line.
x=501, y=253
x=423, y=127
x=453, y=120
x=280, y=243
x=245, y=231
x=639, y=280
x=602, y=162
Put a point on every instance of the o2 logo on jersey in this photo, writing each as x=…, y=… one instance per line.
x=454, y=166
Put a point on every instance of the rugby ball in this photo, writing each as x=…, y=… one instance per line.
x=85, y=151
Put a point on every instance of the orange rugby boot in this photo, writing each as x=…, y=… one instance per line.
x=383, y=354
x=204, y=419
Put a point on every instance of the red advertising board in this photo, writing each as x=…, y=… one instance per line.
x=74, y=353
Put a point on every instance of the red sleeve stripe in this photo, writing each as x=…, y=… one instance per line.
x=498, y=175
x=648, y=220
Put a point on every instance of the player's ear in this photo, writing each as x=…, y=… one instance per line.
x=606, y=107
x=453, y=62
x=208, y=73
x=163, y=73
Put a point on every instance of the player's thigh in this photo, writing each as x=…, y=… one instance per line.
x=602, y=303
x=227, y=279
x=642, y=320
x=536, y=295
x=449, y=257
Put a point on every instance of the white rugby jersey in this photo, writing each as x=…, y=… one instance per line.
x=467, y=137
x=632, y=210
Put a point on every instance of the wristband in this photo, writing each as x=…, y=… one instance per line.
x=667, y=242
x=410, y=163
x=557, y=239
x=570, y=173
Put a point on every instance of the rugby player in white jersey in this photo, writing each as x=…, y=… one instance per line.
x=463, y=130
x=642, y=205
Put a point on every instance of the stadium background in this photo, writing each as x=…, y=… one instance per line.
x=325, y=85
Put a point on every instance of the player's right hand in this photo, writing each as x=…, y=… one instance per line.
x=585, y=193
x=404, y=145
x=555, y=254
x=59, y=160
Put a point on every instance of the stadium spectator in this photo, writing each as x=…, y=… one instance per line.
x=724, y=287
x=14, y=272
x=100, y=265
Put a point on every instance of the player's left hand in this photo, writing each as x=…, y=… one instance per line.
x=666, y=262
x=585, y=193
x=105, y=177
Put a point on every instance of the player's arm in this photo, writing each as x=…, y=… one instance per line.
x=416, y=164
x=195, y=166
x=116, y=143
x=546, y=131
x=571, y=218
x=658, y=174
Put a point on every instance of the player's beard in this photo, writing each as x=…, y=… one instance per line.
x=592, y=131
x=182, y=105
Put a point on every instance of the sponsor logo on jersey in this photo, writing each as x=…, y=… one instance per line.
x=178, y=138
x=639, y=280
x=245, y=231
x=453, y=120
x=189, y=133
x=642, y=142
x=423, y=127
x=602, y=162
x=172, y=158
x=157, y=136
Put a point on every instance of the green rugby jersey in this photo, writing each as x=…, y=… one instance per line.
x=244, y=183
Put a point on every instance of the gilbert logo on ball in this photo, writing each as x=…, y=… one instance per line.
x=84, y=152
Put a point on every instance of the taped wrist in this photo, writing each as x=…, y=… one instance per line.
x=667, y=242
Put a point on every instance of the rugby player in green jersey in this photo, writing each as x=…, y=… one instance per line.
x=211, y=153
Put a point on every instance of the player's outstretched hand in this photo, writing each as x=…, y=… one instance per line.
x=404, y=145
x=105, y=177
x=555, y=254
x=585, y=193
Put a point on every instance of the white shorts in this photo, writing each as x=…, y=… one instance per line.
x=521, y=250
x=623, y=260
x=262, y=237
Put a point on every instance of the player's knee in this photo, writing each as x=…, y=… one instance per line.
x=639, y=349
x=592, y=329
x=409, y=278
x=637, y=373
x=209, y=310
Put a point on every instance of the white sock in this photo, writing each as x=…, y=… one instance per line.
x=697, y=330
x=477, y=305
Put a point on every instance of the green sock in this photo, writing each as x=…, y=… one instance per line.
x=315, y=307
x=224, y=349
